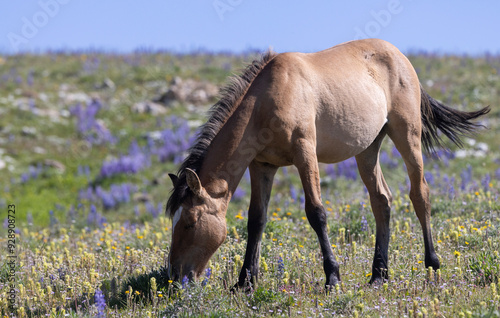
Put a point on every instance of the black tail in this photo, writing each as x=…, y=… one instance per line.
x=453, y=123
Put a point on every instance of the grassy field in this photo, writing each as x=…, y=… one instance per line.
x=86, y=174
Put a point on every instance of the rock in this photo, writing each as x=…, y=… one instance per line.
x=149, y=107
x=55, y=164
x=28, y=131
x=24, y=103
x=106, y=84
x=39, y=150
x=153, y=135
x=29, y=105
x=73, y=98
x=199, y=96
x=43, y=97
x=55, y=140
x=64, y=113
x=142, y=197
x=169, y=97
x=52, y=114
x=188, y=91
x=70, y=98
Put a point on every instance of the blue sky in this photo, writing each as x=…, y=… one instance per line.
x=446, y=26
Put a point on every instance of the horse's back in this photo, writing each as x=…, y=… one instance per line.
x=340, y=97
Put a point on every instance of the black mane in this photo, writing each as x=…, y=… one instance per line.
x=219, y=113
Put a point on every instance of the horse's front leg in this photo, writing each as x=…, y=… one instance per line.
x=306, y=162
x=261, y=176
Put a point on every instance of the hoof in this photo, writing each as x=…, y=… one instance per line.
x=376, y=281
x=332, y=281
x=379, y=276
x=433, y=261
x=234, y=289
x=246, y=288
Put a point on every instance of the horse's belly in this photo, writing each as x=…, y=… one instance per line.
x=335, y=143
x=336, y=150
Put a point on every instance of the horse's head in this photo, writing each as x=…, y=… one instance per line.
x=199, y=225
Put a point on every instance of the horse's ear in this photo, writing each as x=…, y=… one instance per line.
x=193, y=181
x=174, y=178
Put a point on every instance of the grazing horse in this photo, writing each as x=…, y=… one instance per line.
x=300, y=109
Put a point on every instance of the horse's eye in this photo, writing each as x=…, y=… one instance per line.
x=189, y=226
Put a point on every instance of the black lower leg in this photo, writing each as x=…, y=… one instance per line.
x=250, y=270
x=431, y=258
x=379, y=266
x=317, y=218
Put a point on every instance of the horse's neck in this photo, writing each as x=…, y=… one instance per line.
x=229, y=155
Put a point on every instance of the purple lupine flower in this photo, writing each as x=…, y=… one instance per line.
x=485, y=182
x=86, y=171
x=293, y=193
x=185, y=281
x=386, y=160
x=466, y=177
x=100, y=302
x=239, y=194
x=106, y=198
x=208, y=273
x=364, y=224
x=451, y=192
x=31, y=104
x=395, y=153
x=302, y=200
x=173, y=141
x=25, y=177
x=102, y=220
x=118, y=194
x=92, y=216
x=30, y=78
x=281, y=267
x=88, y=126
x=136, y=160
x=347, y=169
x=160, y=208
x=71, y=214
x=150, y=208
x=429, y=177
x=284, y=170
x=53, y=219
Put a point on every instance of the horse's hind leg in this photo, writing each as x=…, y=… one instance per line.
x=405, y=131
x=306, y=162
x=381, y=199
x=261, y=176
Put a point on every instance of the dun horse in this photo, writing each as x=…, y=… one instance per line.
x=300, y=109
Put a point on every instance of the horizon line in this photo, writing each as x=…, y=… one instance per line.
x=206, y=51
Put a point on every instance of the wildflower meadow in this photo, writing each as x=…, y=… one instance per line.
x=87, y=140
